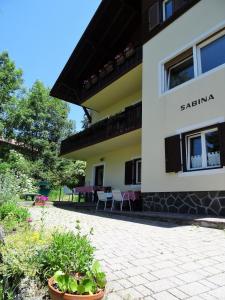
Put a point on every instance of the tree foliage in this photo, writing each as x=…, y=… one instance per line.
x=10, y=87
x=39, y=122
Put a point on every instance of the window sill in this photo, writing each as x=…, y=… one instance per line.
x=202, y=172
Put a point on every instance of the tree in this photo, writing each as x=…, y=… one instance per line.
x=41, y=122
x=10, y=89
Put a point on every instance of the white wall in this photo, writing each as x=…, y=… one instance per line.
x=161, y=113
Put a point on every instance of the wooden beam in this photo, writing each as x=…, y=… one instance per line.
x=87, y=114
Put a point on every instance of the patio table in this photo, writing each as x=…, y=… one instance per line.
x=91, y=191
x=131, y=195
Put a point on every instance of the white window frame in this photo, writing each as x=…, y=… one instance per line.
x=164, y=9
x=196, y=52
x=188, y=138
x=168, y=72
x=202, y=45
x=136, y=167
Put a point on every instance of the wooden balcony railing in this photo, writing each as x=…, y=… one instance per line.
x=128, y=120
x=117, y=71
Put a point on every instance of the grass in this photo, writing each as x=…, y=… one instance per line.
x=54, y=196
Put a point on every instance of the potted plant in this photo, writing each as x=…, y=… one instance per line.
x=129, y=50
x=68, y=263
x=63, y=286
x=94, y=79
x=119, y=59
x=86, y=84
x=108, y=67
x=41, y=200
x=102, y=73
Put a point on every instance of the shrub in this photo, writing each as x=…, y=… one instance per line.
x=13, y=184
x=12, y=216
x=18, y=257
x=69, y=252
x=11, y=209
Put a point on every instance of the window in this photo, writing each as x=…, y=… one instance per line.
x=133, y=172
x=167, y=9
x=189, y=64
x=138, y=171
x=212, y=53
x=203, y=150
x=180, y=73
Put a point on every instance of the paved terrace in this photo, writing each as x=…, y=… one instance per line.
x=151, y=260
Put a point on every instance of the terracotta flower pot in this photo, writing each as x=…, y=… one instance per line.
x=108, y=67
x=120, y=59
x=57, y=295
x=94, y=79
x=86, y=84
x=102, y=73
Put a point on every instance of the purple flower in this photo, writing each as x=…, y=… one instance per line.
x=29, y=220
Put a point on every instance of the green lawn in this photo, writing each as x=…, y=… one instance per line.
x=54, y=196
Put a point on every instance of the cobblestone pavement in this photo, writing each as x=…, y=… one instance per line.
x=152, y=260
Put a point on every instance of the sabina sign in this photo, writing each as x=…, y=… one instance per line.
x=196, y=102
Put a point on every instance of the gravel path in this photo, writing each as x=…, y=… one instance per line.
x=151, y=260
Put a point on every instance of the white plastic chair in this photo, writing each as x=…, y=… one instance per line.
x=67, y=192
x=117, y=196
x=102, y=196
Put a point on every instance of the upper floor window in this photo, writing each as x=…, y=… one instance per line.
x=167, y=9
x=179, y=70
x=212, y=53
x=190, y=64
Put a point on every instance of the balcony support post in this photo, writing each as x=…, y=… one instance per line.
x=87, y=114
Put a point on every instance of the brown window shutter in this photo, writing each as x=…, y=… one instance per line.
x=173, y=154
x=221, y=128
x=128, y=172
x=178, y=4
x=154, y=15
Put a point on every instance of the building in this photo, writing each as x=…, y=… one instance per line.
x=150, y=75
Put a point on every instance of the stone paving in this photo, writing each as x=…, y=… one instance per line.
x=151, y=260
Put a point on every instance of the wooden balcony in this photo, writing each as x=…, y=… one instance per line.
x=128, y=120
x=117, y=70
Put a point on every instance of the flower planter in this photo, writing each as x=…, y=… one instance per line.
x=41, y=200
x=40, y=203
x=86, y=84
x=108, y=67
x=129, y=51
x=102, y=73
x=94, y=79
x=120, y=59
x=57, y=295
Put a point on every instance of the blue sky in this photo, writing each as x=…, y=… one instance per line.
x=40, y=36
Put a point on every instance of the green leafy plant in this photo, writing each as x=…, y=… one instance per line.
x=10, y=209
x=68, y=251
x=13, y=217
x=89, y=284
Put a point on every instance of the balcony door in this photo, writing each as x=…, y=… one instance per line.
x=99, y=175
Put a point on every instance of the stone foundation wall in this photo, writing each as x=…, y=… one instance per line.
x=201, y=203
